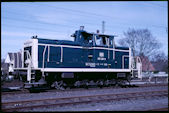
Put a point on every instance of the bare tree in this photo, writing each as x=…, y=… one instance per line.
x=141, y=41
x=160, y=62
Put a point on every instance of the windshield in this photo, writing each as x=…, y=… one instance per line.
x=101, y=41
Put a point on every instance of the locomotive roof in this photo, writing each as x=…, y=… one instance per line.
x=52, y=41
x=68, y=42
x=102, y=35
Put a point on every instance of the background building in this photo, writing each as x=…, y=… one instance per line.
x=14, y=61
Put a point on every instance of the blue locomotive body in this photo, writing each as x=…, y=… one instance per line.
x=91, y=53
x=72, y=55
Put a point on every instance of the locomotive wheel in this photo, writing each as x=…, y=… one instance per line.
x=77, y=84
x=87, y=85
x=107, y=83
x=129, y=79
x=100, y=83
x=121, y=83
x=59, y=85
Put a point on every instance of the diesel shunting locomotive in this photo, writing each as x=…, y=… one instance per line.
x=91, y=59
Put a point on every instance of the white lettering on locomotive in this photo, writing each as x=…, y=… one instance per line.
x=90, y=64
x=99, y=58
x=101, y=54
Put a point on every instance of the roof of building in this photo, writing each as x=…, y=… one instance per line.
x=146, y=64
x=14, y=58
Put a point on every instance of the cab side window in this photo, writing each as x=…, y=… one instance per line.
x=104, y=41
x=111, y=42
x=88, y=40
x=99, y=41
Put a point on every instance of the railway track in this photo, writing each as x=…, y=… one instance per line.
x=45, y=103
x=24, y=91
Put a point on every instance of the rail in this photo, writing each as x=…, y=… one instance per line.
x=33, y=104
x=24, y=91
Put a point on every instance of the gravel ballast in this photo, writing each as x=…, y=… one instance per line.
x=81, y=92
x=122, y=105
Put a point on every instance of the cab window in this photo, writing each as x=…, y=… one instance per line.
x=111, y=42
x=88, y=40
x=101, y=41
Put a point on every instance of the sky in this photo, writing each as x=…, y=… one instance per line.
x=58, y=20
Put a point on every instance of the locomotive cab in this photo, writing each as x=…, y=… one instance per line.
x=93, y=39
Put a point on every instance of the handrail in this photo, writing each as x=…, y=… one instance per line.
x=28, y=54
x=43, y=60
x=136, y=65
x=29, y=62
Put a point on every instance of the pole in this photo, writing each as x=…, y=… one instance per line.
x=103, y=25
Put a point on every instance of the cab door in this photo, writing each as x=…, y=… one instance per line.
x=88, y=52
x=125, y=62
x=111, y=53
x=100, y=51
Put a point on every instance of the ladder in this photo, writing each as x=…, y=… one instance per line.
x=30, y=72
x=136, y=67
